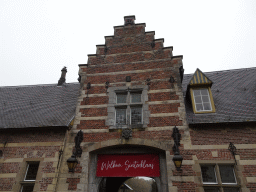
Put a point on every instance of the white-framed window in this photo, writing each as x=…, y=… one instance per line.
x=128, y=108
x=202, y=100
x=27, y=185
x=219, y=178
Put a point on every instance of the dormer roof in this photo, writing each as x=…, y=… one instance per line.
x=234, y=97
x=199, y=78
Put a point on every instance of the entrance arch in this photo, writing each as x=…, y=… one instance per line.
x=102, y=184
x=111, y=184
x=121, y=184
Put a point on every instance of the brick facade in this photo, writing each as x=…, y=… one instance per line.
x=130, y=52
x=24, y=146
x=135, y=53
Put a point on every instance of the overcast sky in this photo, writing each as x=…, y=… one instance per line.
x=39, y=37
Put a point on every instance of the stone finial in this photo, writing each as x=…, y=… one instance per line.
x=129, y=20
x=62, y=77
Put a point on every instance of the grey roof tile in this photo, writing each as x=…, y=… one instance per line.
x=38, y=105
x=234, y=95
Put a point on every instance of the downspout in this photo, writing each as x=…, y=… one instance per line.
x=62, y=149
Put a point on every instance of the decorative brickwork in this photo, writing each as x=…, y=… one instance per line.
x=44, y=183
x=135, y=53
x=9, y=168
x=6, y=184
x=72, y=183
x=164, y=108
x=153, y=101
x=23, y=146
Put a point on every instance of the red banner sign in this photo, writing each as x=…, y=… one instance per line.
x=128, y=165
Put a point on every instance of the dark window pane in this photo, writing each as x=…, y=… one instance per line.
x=27, y=188
x=227, y=174
x=120, y=116
x=207, y=106
x=32, y=171
x=208, y=174
x=136, y=115
x=211, y=189
x=199, y=107
x=204, y=92
x=205, y=99
x=121, y=98
x=136, y=97
x=231, y=189
x=196, y=92
x=198, y=99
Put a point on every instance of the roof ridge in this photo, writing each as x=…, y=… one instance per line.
x=38, y=85
x=240, y=69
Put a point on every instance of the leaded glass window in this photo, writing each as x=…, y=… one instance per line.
x=27, y=188
x=128, y=108
x=219, y=178
x=208, y=174
x=202, y=100
x=121, y=97
x=27, y=185
x=227, y=174
x=211, y=190
x=120, y=116
x=136, y=115
x=31, y=172
x=230, y=189
x=136, y=97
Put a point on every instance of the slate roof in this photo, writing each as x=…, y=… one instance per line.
x=234, y=95
x=38, y=105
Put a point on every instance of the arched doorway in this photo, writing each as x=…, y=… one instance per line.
x=127, y=184
x=112, y=183
x=138, y=184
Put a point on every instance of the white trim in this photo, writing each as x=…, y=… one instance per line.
x=234, y=174
x=202, y=99
x=29, y=163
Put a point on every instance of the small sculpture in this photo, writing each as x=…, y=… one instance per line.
x=78, y=140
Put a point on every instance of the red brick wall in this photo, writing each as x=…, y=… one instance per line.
x=124, y=54
x=19, y=152
x=72, y=183
x=32, y=135
x=211, y=135
x=92, y=112
x=185, y=186
x=45, y=182
x=164, y=108
x=130, y=50
x=6, y=184
x=9, y=168
x=92, y=124
x=22, y=143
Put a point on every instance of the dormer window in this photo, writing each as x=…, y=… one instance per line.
x=200, y=93
x=202, y=100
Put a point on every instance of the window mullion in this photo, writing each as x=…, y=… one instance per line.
x=129, y=108
x=202, y=99
x=217, y=172
x=128, y=97
x=129, y=114
x=26, y=172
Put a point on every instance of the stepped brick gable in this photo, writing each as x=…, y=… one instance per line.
x=130, y=62
x=131, y=115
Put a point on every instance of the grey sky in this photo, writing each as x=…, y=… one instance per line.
x=38, y=38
